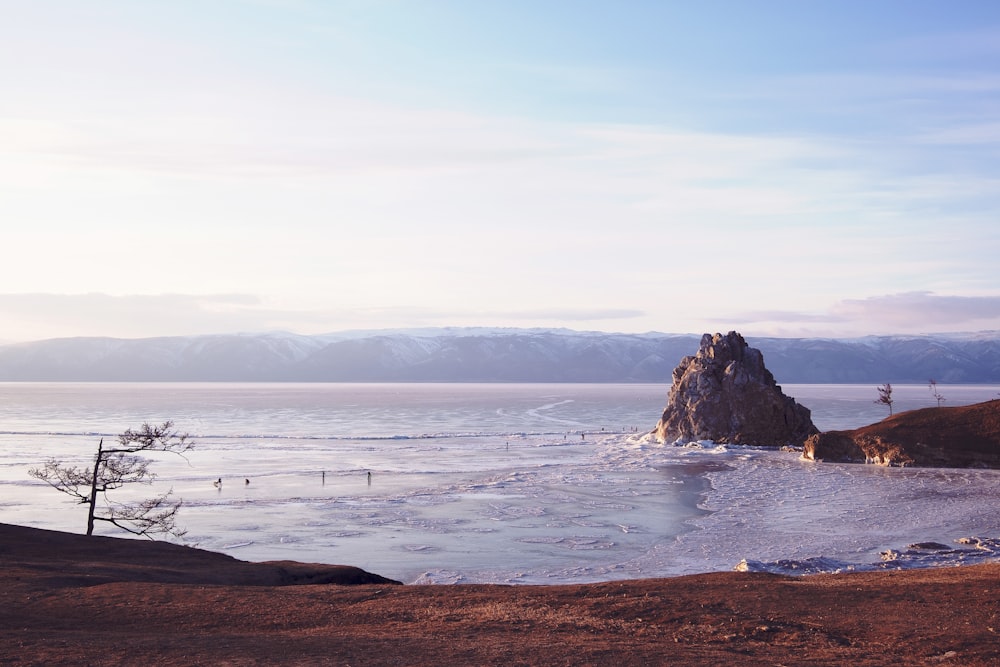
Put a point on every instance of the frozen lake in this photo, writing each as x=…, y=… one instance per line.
x=526, y=483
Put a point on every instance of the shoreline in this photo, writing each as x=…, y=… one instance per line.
x=720, y=517
x=544, y=511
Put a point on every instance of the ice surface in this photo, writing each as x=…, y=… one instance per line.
x=509, y=484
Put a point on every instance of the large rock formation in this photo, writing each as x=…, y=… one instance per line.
x=959, y=437
x=725, y=394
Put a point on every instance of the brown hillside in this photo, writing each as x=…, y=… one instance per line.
x=959, y=437
x=69, y=560
x=74, y=600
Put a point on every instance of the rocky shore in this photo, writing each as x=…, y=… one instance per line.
x=74, y=600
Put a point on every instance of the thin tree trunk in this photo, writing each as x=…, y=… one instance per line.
x=93, y=488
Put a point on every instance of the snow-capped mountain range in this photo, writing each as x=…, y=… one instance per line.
x=490, y=355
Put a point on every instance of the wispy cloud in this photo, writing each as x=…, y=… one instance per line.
x=35, y=316
x=38, y=316
x=566, y=314
x=904, y=313
x=976, y=133
x=916, y=310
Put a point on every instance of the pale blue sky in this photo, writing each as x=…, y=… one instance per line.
x=778, y=168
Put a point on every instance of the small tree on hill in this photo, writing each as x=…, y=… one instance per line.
x=114, y=468
x=885, y=396
x=934, y=392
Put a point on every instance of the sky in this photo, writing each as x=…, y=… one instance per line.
x=779, y=168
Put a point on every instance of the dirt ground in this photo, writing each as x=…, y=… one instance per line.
x=72, y=600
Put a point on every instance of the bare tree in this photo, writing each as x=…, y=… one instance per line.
x=935, y=393
x=114, y=468
x=885, y=396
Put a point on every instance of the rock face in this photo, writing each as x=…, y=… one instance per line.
x=725, y=394
x=837, y=446
x=954, y=437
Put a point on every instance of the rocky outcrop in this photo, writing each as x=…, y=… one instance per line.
x=725, y=394
x=837, y=446
x=954, y=437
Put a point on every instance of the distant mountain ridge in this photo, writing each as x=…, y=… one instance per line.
x=489, y=355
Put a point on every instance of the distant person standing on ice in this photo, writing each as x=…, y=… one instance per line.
x=369, y=478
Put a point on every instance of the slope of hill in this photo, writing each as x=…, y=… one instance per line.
x=966, y=436
x=75, y=600
x=489, y=355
